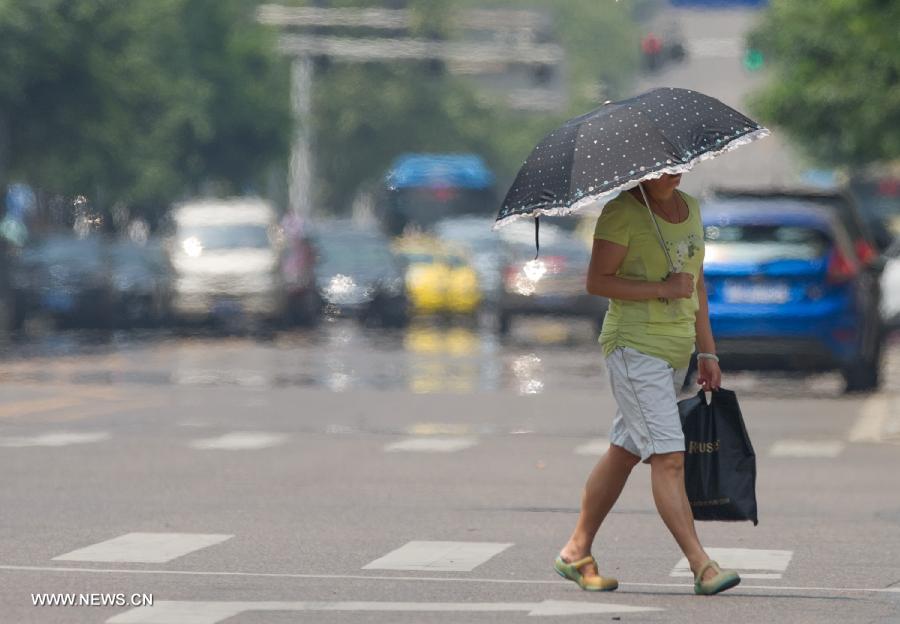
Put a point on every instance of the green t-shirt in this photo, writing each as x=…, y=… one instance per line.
x=663, y=329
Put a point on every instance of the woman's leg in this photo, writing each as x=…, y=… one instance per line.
x=601, y=491
x=667, y=479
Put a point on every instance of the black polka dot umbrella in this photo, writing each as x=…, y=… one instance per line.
x=620, y=144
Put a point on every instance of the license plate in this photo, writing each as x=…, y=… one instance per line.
x=757, y=293
x=226, y=307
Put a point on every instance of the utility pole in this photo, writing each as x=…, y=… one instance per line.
x=509, y=38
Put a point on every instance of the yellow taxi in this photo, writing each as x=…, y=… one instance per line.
x=439, y=278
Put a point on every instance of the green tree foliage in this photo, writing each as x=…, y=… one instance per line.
x=145, y=101
x=139, y=101
x=836, y=87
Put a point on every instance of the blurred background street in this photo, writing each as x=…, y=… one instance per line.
x=263, y=356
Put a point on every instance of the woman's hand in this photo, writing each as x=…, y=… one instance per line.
x=678, y=286
x=710, y=375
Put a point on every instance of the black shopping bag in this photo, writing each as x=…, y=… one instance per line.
x=719, y=462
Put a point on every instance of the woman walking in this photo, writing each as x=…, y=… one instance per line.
x=649, y=264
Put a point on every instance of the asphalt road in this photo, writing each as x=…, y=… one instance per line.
x=346, y=475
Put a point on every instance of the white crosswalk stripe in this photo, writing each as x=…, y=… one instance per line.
x=240, y=441
x=879, y=420
x=144, y=547
x=807, y=449
x=595, y=447
x=438, y=556
x=431, y=445
x=58, y=438
x=751, y=563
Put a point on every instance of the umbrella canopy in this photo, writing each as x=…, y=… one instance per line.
x=613, y=148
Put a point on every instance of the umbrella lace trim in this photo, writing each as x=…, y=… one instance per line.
x=561, y=211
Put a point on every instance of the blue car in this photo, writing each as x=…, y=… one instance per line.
x=787, y=290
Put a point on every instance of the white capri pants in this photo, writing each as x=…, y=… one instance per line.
x=646, y=390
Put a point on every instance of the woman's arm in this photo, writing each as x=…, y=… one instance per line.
x=705, y=341
x=607, y=257
x=710, y=376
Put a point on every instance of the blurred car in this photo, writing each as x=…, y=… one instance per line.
x=6, y=313
x=787, y=290
x=65, y=278
x=142, y=283
x=879, y=201
x=554, y=284
x=226, y=257
x=842, y=203
x=439, y=278
x=357, y=275
x=6, y=298
x=484, y=247
x=422, y=189
x=890, y=287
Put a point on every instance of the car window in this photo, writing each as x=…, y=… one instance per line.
x=221, y=237
x=420, y=258
x=845, y=210
x=353, y=256
x=764, y=243
x=86, y=254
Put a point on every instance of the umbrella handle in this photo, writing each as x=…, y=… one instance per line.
x=662, y=241
x=537, y=242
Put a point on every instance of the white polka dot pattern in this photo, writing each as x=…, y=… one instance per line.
x=666, y=130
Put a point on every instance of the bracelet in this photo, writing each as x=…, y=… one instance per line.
x=708, y=356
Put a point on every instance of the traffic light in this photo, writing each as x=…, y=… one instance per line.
x=754, y=59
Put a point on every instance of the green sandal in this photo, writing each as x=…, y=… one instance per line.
x=724, y=579
x=587, y=583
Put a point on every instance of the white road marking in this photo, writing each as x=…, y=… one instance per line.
x=872, y=418
x=422, y=579
x=431, y=445
x=594, y=447
x=806, y=449
x=240, y=441
x=438, y=556
x=144, y=547
x=197, y=612
x=751, y=563
x=58, y=438
x=428, y=429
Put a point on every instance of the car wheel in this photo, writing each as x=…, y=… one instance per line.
x=504, y=323
x=17, y=316
x=863, y=375
x=305, y=309
x=861, y=378
x=395, y=321
x=6, y=321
